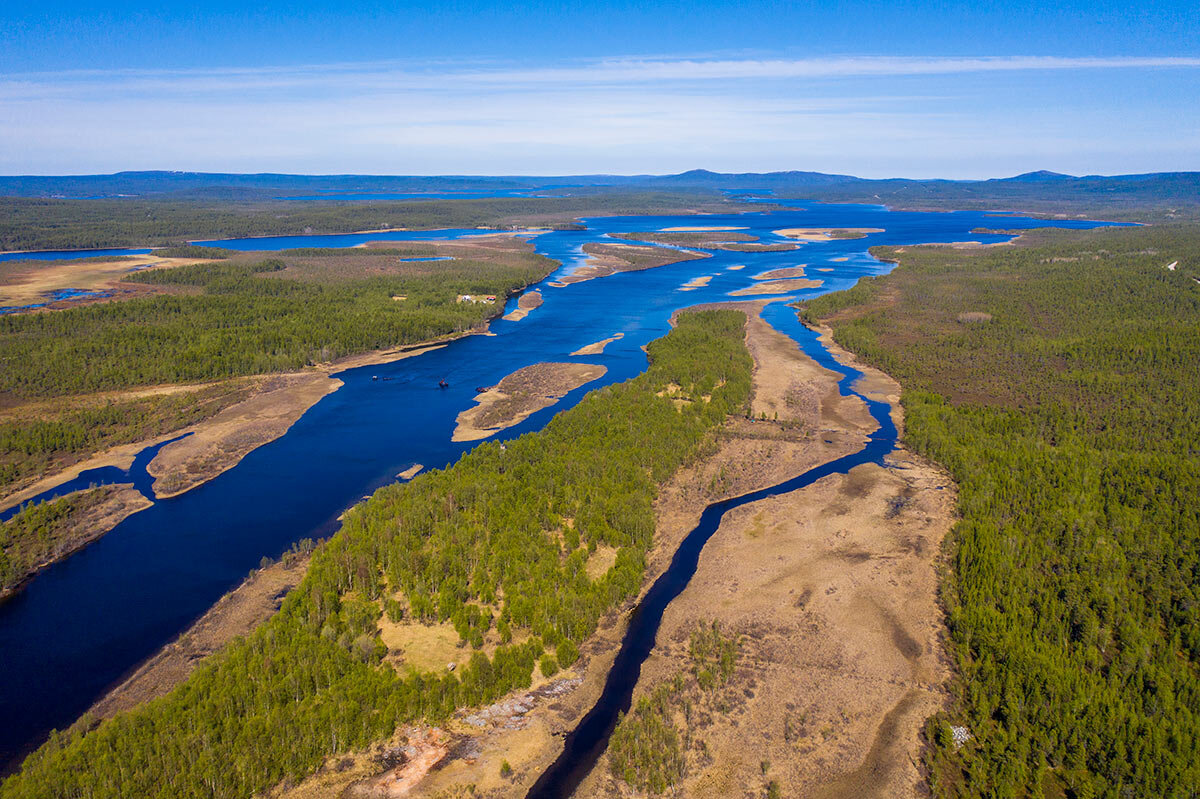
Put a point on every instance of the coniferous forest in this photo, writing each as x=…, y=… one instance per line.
x=498, y=541
x=1057, y=380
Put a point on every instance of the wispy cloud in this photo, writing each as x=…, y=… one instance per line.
x=626, y=71
x=868, y=114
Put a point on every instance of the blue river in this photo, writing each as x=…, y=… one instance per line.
x=84, y=623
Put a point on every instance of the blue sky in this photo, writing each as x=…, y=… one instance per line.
x=921, y=89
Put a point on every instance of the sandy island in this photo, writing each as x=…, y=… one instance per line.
x=525, y=303
x=410, y=472
x=521, y=394
x=696, y=283
x=605, y=258
x=827, y=234
x=776, y=287
x=598, y=347
x=780, y=274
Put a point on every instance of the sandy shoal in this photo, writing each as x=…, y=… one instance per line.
x=824, y=234
x=777, y=287
x=597, y=348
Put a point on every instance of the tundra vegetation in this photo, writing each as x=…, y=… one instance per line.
x=496, y=545
x=1057, y=381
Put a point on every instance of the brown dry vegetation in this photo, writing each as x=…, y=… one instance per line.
x=597, y=348
x=777, y=287
x=608, y=259
x=526, y=303
x=521, y=394
x=782, y=274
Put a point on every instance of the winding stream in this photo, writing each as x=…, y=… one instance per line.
x=589, y=739
x=83, y=623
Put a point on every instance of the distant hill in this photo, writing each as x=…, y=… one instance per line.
x=1163, y=192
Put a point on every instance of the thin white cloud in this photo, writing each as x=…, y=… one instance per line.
x=854, y=114
x=380, y=76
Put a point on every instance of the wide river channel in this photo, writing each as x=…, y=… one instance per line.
x=84, y=623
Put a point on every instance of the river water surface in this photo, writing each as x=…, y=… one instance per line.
x=84, y=623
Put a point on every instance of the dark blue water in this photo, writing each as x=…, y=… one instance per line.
x=59, y=255
x=589, y=739
x=136, y=474
x=83, y=623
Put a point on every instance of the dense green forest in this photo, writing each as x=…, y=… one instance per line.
x=1057, y=380
x=234, y=318
x=42, y=224
x=496, y=544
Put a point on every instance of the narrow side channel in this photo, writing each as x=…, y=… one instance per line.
x=589, y=739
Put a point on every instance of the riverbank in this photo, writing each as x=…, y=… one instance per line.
x=235, y=614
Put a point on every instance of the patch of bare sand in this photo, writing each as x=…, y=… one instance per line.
x=598, y=347
x=525, y=303
x=696, y=283
x=777, y=287
x=839, y=260
x=521, y=394
x=410, y=472
x=826, y=234
x=235, y=614
x=781, y=274
x=735, y=268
